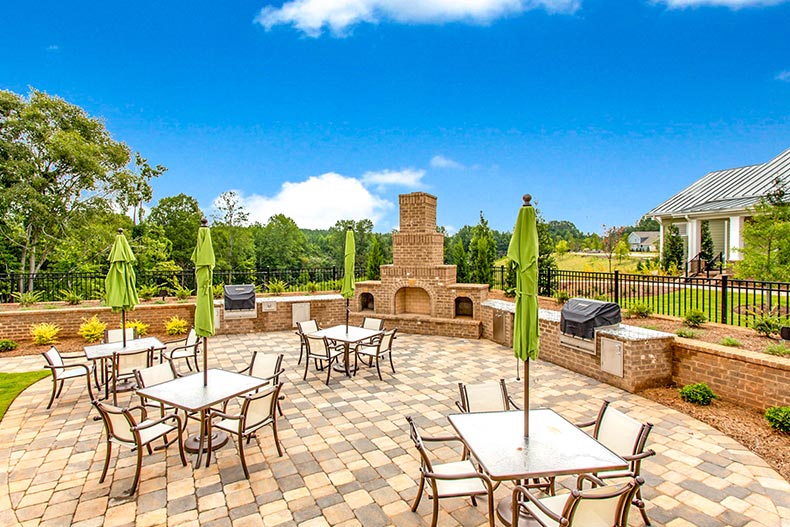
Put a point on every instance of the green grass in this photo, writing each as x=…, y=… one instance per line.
x=12, y=384
x=596, y=263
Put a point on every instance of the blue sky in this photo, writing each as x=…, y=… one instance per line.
x=328, y=109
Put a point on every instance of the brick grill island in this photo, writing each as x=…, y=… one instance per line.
x=418, y=293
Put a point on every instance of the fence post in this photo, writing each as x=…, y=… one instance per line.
x=724, y=310
x=616, y=286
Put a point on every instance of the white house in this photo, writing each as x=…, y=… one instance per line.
x=640, y=241
x=724, y=199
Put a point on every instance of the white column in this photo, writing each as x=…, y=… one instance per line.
x=735, y=238
x=693, y=234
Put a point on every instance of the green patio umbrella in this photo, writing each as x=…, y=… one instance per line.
x=347, y=290
x=523, y=251
x=120, y=284
x=203, y=258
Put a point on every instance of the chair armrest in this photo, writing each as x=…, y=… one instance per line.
x=595, y=480
x=170, y=351
x=88, y=368
x=513, y=403
x=149, y=424
x=460, y=406
x=443, y=439
x=245, y=370
x=183, y=339
x=535, y=501
x=641, y=455
x=466, y=475
x=586, y=424
x=223, y=415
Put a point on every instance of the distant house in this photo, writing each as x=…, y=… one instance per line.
x=724, y=199
x=642, y=241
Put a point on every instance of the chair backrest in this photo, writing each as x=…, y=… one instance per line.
x=116, y=335
x=425, y=460
x=484, y=397
x=154, y=375
x=126, y=363
x=264, y=365
x=372, y=323
x=386, y=340
x=118, y=422
x=260, y=407
x=192, y=338
x=307, y=326
x=317, y=345
x=621, y=434
x=53, y=358
x=607, y=505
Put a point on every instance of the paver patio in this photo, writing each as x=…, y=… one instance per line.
x=348, y=458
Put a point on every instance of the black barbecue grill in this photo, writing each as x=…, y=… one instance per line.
x=581, y=317
x=239, y=297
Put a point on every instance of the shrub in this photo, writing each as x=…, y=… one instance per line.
x=639, y=310
x=7, y=345
x=561, y=297
x=694, y=318
x=311, y=287
x=45, y=333
x=766, y=324
x=28, y=298
x=779, y=418
x=730, y=341
x=71, y=297
x=697, y=394
x=141, y=327
x=176, y=326
x=276, y=286
x=181, y=292
x=92, y=329
x=147, y=292
x=777, y=349
x=687, y=333
x=219, y=290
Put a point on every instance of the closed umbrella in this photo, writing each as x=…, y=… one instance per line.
x=203, y=258
x=523, y=251
x=120, y=284
x=347, y=290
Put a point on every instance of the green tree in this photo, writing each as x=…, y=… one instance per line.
x=647, y=224
x=673, y=249
x=706, y=242
x=459, y=259
x=231, y=217
x=179, y=216
x=86, y=244
x=55, y=161
x=279, y=243
x=611, y=237
x=136, y=187
x=375, y=260
x=561, y=248
x=482, y=253
x=766, y=251
x=622, y=250
x=153, y=248
x=547, y=265
x=336, y=241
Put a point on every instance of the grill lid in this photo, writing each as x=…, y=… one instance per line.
x=239, y=297
x=580, y=316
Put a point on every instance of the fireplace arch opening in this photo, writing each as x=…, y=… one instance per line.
x=464, y=307
x=367, y=302
x=412, y=300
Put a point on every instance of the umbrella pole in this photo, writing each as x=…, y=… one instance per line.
x=123, y=326
x=526, y=398
x=205, y=361
x=346, y=315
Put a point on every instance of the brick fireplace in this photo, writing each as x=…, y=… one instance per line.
x=418, y=292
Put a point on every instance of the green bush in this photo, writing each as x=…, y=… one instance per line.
x=92, y=329
x=176, y=326
x=777, y=349
x=28, y=298
x=694, y=318
x=697, y=394
x=766, y=324
x=141, y=327
x=181, y=292
x=7, y=345
x=687, y=333
x=219, y=290
x=560, y=296
x=45, y=333
x=730, y=341
x=71, y=297
x=147, y=292
x=639, y=310
x=311, y=287
x=276, y=286
x=779, y=418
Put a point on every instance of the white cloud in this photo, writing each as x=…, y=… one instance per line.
x=783, y=76
x=408, y=177
x=732, y=4
x=53, y=48
x=319, y=202
x=312, y=16
x=439, y=161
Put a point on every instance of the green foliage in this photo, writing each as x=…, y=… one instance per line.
x=279, y=243
x=176, y=326
x=730, y=341
x=147, y=292
x=7, y=345
x=375, y=260
x=766, y=323
x=673, y=250
x=179, y=217
x=778, y=417
x=699, y=394
x=92, y=329
x=141, y=327
x=70, y=297
x=778, y=349
x=694, y=318
x=639, y=310
x=44, y=333
x=706, y=242
x=27, y=298
x=218, y=290
x=461, y=262
x=622, y=250
x=482, y=253
x=562, y=248
x=181, y=292
x=561, y=297
x=687, y=333
x=276, y=286
x=765, y=252
x=311, y=287
x=649, y=267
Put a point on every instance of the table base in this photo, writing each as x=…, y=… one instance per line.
x=504, y=511
x=218, y=440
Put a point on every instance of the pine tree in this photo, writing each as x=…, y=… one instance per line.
x=375, y=260
x=673, y=249
x=706, y=242
x=461, y=262
x=482, y=253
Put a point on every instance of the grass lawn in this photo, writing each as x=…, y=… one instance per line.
x=12, y=384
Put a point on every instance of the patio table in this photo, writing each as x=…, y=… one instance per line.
x=189, y=394
x=102, y=352
x=348, y=335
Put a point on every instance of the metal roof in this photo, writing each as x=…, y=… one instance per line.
x=727, y=190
